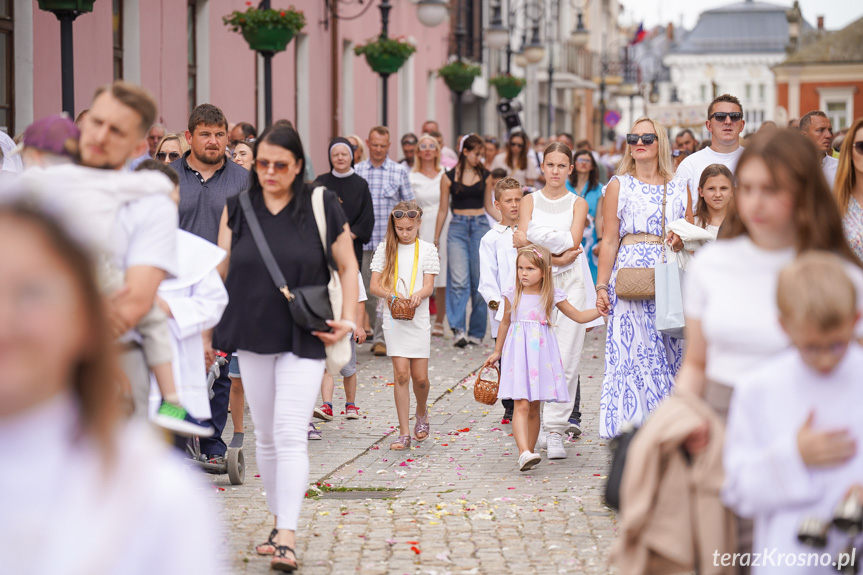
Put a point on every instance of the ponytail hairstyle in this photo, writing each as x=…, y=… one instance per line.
x=469, y=143
x=711, y=171
x=286, y=137
x=392, y=244
x=540, y=258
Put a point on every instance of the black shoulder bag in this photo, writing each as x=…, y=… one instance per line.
x=310, y=305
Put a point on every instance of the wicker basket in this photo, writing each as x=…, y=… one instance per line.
x=400, y=308
x=485, y=390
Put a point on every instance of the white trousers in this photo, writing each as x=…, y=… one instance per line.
x=570, y=341
x=281, y=390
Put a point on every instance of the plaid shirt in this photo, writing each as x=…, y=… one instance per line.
x=389, y=185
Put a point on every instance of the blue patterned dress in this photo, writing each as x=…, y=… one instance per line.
x=640, y=362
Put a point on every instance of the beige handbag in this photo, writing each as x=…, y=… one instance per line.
x=639, y=283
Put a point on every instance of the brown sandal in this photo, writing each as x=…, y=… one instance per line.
x=404, y=441
x=269, y=547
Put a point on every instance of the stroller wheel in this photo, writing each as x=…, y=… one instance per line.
x=236, y=466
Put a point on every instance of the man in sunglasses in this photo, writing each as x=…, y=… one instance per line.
x=816, y=126
x=725, y=124
x=409, y=149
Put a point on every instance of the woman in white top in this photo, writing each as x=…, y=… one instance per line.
x=516, y=161
x=640, y=362
x=87, y=496
x=554, y=219
x=782, y=207
x=425, y=181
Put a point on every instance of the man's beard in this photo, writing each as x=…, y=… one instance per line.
x=211, y=161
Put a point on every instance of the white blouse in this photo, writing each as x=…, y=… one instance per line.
x=730, y=287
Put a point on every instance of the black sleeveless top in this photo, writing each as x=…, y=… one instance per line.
x=257, y=318
x=467, y=197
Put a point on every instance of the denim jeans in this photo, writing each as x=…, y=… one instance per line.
x=465, y=233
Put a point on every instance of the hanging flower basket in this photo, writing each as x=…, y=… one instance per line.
x=508, y=87
x=459, y=75
x=386, y=55
x=81, y=6
x=266, y=30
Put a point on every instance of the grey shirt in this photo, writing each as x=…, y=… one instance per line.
x=202, y=202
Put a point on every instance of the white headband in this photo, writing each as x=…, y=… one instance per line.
x=461, y=142
x=350, y=150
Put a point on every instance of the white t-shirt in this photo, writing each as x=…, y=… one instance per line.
x=829, y=165
x=690, y=168
x=730, y=287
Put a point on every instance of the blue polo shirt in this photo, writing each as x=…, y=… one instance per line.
x=202, y=202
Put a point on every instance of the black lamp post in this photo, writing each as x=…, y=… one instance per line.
x=66, y=11
x=268, y=76
x=460, y=33
x=385, y=8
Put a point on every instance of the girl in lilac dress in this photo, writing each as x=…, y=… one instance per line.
x=531, y=369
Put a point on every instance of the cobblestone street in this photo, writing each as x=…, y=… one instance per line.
x=455, y=503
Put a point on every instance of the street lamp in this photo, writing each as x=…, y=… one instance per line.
x=579, y=36
x=535, y=51
x=432, y=12
x=66, y=11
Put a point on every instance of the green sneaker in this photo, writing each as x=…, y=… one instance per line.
x=176, y=419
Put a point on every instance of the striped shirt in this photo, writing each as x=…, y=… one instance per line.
x=389, y=185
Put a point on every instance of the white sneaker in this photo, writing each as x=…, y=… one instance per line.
x=528, y=460
x=555, y=446
x=474, y=340
x=459, y=338
x=542, y=440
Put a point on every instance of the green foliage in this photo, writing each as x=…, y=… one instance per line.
x=459, y=69
x=507, y=80
x=398, y=47
x=253, y=19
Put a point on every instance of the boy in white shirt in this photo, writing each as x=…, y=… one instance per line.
x=791, y=441
x=497, y=259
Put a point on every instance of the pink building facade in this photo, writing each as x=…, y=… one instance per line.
x=182, y=52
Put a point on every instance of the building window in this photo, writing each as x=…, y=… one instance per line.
x=838, y=104
x=760, y=92
x=7, y=68
x=703, y=93
x=118, y=39
x=192, y=39
x=748, y=92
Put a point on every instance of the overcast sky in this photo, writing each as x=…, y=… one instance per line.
x=837, y=13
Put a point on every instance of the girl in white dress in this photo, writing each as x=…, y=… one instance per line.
x=715, y=190
x=397, y=264
x=425, y=181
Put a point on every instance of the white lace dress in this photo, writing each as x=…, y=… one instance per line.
x=412, y=338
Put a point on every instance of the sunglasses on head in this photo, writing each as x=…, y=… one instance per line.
x=172, y=156
x=647, y=139
x=721, y=116
x=399, y=214
x=278, y=167
x=859, y=146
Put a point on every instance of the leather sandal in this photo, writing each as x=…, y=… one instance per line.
x=268, y=547
x=281, y=561
x=404, y=441
x=422, y=426
x=437, y=330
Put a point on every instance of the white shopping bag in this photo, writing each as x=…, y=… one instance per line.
x=669, y=295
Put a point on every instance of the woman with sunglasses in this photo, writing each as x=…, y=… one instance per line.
x=281, y=362
x=468, y=184
x=425, y=180
x=516, y=160
x=848, y=187
x=584, y=182
x=171, y=147
x=640, y=362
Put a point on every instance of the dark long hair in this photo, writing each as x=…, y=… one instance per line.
x=471, y=142
x=592, y=178
x=287, y=138
x=794, y=164
x=517, y=162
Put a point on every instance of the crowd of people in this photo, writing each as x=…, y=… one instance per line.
x=134, y=256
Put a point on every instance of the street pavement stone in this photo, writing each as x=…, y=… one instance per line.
x=454, y=503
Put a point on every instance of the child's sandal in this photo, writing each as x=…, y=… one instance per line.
x=422, y=426
x=269, y=547
x=281, y=561
x=404, y=442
